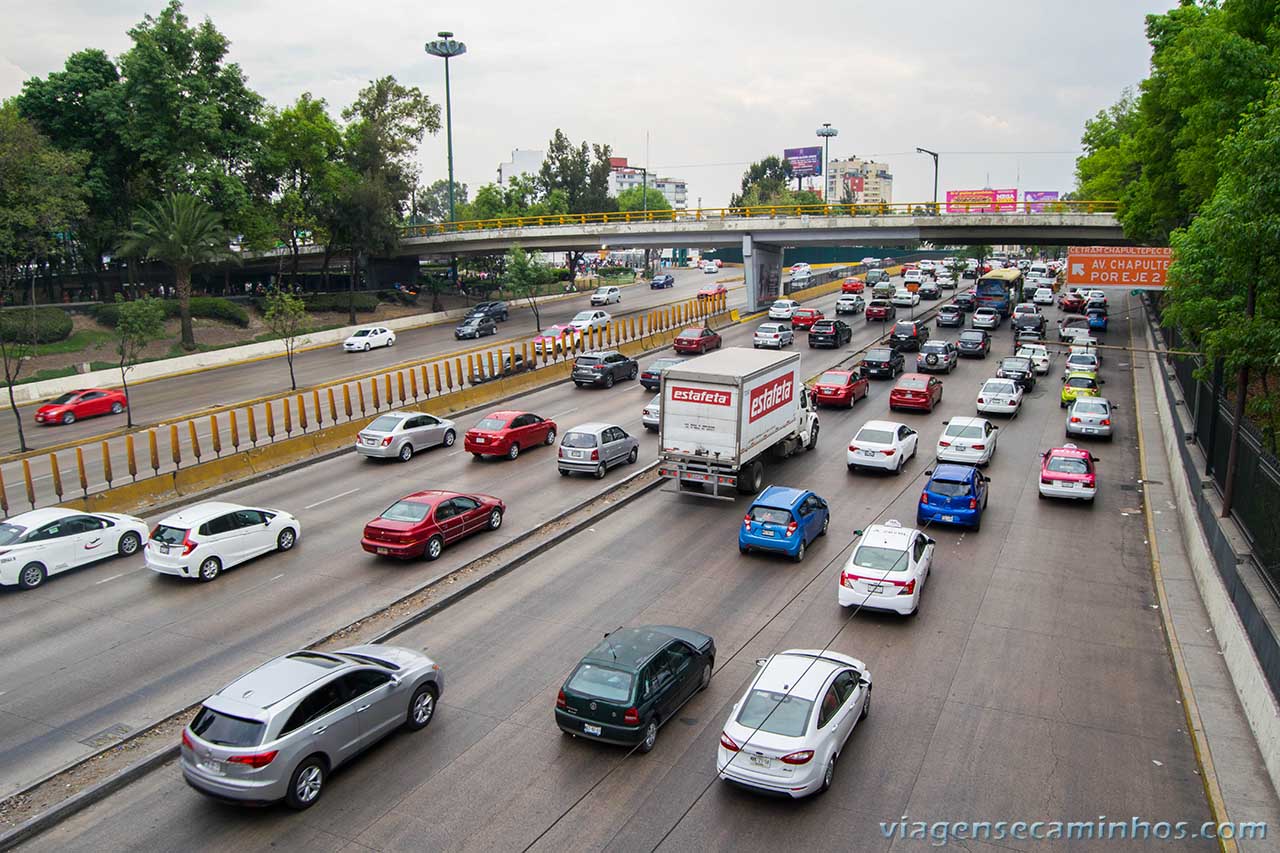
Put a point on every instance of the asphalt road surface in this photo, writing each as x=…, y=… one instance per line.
x=1033, y=685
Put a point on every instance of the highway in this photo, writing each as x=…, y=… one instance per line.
x=1034, y=684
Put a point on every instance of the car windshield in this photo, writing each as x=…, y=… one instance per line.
x=912, y=383
x=874, y=436
x=770, y=515
x=998, y=388
x=362, y=333
x=168, y=535
x=412, y=511
x=64, y=399
x=473, y=320
x=833, y=377
x=880, y=559
x=878, y=355
x=10, y=533
x=491, y=423
x=225, y=730
x=602, y=682
x=775, y=713
x=603, y=291
x=972, y=337
x=1067, y=465
x=1084, y=407
x=1079, y=382
x=578, y=439
x=963, y=431
x=949, y=488
x=386, y=423
x=583, y=316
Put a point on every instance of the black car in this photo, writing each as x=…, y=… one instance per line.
x=929, y=290
x=603, y=368
x=661, y=281
x=496, y=310
x=974, y=343
x=1025, y=321
x=909, y=334
x=635, y=680
x=966, y=301
x=937, y=357
x=651, y=376
x=1019, y=369
x=950, y=315
x=475, y=326
x=829, y=333
x=884, y=362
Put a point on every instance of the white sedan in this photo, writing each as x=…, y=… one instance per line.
x=903, y=298
x=888, y=569
x=886, y=445
x=44, y=542
x=970, y=441
x=787, y=731
x=782, y=309
x=590, y=319
x=1000, y=397
x=1043, y=296
x=363, y=340
x=204, y=540
x=1039, y=355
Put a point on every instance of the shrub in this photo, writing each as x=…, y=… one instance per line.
x=51, y=324
x=364, y=302
x=206, y=307
x=608, y=272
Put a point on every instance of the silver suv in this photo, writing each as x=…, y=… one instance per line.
x=277, y=732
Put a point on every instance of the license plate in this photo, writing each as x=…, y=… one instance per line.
x=760, y=761
x=382, y=550
x=867, y=452
x=214, y=767
x=960, y=448
x=164, y=549
x=578, y=454
x=1090, y=429
x=479, y=440
x=590, y=729
x=766, y=533
x=949, y=518
x=370, y=441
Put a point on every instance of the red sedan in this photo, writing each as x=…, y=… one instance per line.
x=507, y=433
x=916, y=391
x=804, y=318
x=421, y=524
x=1071, y=303
x=697, y=339
x=840, y=388
x=852, y=285
x=714, y=290
x=85, y=403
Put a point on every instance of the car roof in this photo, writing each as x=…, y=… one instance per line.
x=631, y=647
x=801, y=672
x=889, y=535
x=200, y=513
x=843, y=371
x=780, y=497
x=1070, y=451
x=506, y=414
x=954, y=473
x=889, y=425
x=594, y=427
x=281, y=677
x=913, y=377
x=1093, y=398
x=429, y=494
x=37, y=517
x=966, y=421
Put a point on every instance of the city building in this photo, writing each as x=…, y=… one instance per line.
x=858, y=181
x=624, y=177
x=524, y=161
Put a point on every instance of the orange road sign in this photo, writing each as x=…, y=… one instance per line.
x=1118, y=266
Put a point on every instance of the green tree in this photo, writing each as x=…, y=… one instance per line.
x=577, y=175
x=634, y=199
x=139, y=322
x=525, y=278
x=286, y=316
x=183, y=232
x=431, y=203
x=763, y=182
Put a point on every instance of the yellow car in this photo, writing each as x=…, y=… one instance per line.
x=1080, y=383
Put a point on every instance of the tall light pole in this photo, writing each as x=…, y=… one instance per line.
x=934, y=155
x=826, y=132
x=446, y=47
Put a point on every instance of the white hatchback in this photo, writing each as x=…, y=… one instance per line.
x=584, y=320
x=772, y=335
x=782, y=309
x=363, y=340
x=43, y=542
x=787, y=731
x=886, y=445
x=1000, y=397
x=203, y=540
x=1043, y=296
x=888, y=569
x=606, y=295
x=903, y=298
x=970, y=441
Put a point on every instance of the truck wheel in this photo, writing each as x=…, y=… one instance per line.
x=749, y=478
x=813, y=438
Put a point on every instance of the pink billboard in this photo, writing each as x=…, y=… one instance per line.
x=982, y=201
x=1036, y=201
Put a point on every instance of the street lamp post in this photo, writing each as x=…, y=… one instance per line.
x=934, y=155
x=826, y=132
x=446, y=47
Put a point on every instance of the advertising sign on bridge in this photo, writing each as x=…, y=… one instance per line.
x=805, y=162
x=1036, y=201
x=1137, y=267
x=982, y=201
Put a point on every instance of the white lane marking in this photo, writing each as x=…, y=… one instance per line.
x=456, y=452
x=113, y=577
x=277, y=577
x=331, y=498
x=566, y=412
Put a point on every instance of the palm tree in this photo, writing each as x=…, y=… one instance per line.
x=181, y=231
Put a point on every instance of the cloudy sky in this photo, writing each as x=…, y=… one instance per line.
x=1000, y=87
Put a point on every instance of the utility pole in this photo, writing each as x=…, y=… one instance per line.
x=447, y=47
x=826, y=132
x=934, y=155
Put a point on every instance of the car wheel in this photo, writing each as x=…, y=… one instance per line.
x=367, y=347
x=743, y=549
x=902, y=461
x=608, y=381
x=307, y=782
x=209, y=569
x=799, y=556
x=406, y=452
x=650, y=737
x=435, y=547
x=449, y=438
x=635, y=371
x=852, y=399
x=32, y=575
x=551, y=438
x=117, y=408
x=495, y=519
x=286, y=540
x=391, y=342
x=69, y=418
x=828, y=774
x=826, y=522
x=866, y=708
x=514, y=450
x=633, y=455
x=422, y=707
x=600, y=471
x=706, y=676
x=129, y=544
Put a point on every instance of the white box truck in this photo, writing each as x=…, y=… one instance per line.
x=722, y=412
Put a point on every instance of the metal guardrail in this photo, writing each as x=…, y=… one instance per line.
x=712, y=214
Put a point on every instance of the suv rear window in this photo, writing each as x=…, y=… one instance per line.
x=225, y=730
x=168, y=535
x=586, y=360
x=905, y=328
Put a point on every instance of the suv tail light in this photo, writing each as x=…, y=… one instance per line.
x=255, y=760
x=187, y=545
x=187, y=742
x=561, y=702
x=728, y=742
x=804, y=756
x=631, y=717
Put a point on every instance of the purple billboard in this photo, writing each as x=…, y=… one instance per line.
x=1037, y=201
x=804, y=161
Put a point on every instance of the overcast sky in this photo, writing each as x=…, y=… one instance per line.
x=1000, y=87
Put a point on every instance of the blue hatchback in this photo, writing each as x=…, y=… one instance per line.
x=1097, y=320
x=955, y=494
x=783, y=519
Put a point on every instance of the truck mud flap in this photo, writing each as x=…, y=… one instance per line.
x=700, y=480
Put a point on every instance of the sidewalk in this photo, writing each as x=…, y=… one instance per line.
x=1237, y=783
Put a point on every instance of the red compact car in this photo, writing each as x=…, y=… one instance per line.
x=880, y=309
x=421, y=524
x=1068, y=472
x=696, y=339
x=507, y=433
x=713, y=290
x=916, y=391
x=852, y=285
x=840, y=388
x=1071, y=303
x=85, y=403
x=804, y=318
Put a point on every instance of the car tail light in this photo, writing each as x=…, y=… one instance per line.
x=791, y=528
x=386, y=441
x=978, y=447
x=944, y=444
x=804, y=756
x=187, y=545
x=980, y=400
x=1075, y=420
x=187, y=741
x=1106, y=421
x=595, y=456
x=255, y=759
x=1090, y=481
x=854, y=448
x=1046, y=481
x=924, y=497
x=728, y=742
x=560, y=700
x=973, y=503
x=631, y=717
x=888, y=452
x=598, y=367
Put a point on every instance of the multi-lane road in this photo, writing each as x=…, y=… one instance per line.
x=1034, y=684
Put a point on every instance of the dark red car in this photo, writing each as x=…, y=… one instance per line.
x=880, y=309
x=840, y=388
x=507, y=433
x=916, y=391
x=421, y=524
x=804, y=318
x=713, y=290
x=696, y=339
x=1071, y=303
x=86, y=403
x=852, y=285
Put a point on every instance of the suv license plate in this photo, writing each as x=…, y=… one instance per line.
x=587, y=728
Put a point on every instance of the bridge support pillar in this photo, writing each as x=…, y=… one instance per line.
x=762, y=264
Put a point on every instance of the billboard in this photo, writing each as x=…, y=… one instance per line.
x=982, y=201
x=1118, y=266
x=1037, y=201
x=855, y=183
x=804, y=161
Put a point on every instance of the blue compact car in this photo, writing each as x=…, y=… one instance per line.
x=783, y=519
x=1097, y=320
x=955, y=494
x=661, y=281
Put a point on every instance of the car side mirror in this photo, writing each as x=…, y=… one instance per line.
x=395, y=681
x=928, y=472
x=986, y=479
x=1093, y=458
x=761, y=661
x=930, y=541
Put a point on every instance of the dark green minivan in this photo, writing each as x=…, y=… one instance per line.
x=634, y=681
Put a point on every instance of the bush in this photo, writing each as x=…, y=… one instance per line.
x=206, y=307
x=364, y=302
x=609, y=272
x=51, y=325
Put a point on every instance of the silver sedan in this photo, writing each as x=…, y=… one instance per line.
x=398, y=435
x=1090, y=416
x=773, y=335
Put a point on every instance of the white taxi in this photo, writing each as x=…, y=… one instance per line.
x=887, y=570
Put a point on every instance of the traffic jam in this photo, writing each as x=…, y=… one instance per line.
x=724, y=419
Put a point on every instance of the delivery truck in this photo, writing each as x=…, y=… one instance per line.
x=722, y=413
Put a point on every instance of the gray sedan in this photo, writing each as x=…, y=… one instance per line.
x=1090, y=416
x=398, y=435
x=277, y=732
x=594, y=448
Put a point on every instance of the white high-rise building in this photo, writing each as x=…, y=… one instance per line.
x=858, y=181
x=624, y=177
x=524, y=161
